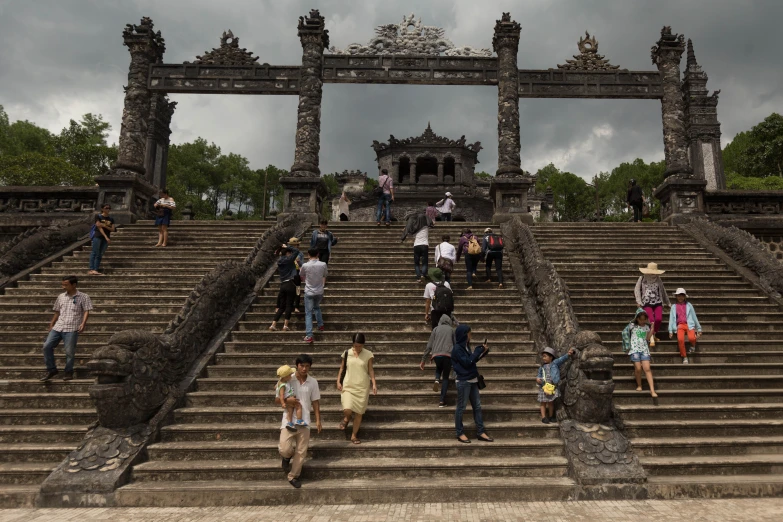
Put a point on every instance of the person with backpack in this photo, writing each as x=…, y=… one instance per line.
x=469, y=247
x=438, y=298
x=635, y=199
x=492, y=251
x=445, y=256
x=385, y=193
x=100, y=234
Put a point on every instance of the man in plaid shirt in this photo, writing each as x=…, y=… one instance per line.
x=71, y=310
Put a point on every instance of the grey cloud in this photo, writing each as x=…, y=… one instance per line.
x=65, y=57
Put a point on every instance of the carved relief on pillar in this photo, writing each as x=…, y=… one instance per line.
x=506, y=44
x=666, y=55
x=146, y=47
x=314, y=39
x=158, y=136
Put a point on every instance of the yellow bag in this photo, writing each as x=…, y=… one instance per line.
x=549, y=388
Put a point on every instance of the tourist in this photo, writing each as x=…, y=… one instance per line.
x=101, y=237
x=446, y=206
x=354, y=384
x=549, y=374
x=287, y=270
x=294, y=444
x=419, y=224
x=293, y=244
x=71, y=310
x=438, y=298
x=386, y=197
x=651, y=295
x=445, y=256
x=492, y=251
x=344, y=207
x=683, y=320
x=313, y=274
x=464, y=363
x=635, y=199
x=438, y=350
x=471, y=249
x=323, y=240
x=164, y=207
x=431, y=211
x=285, y=391
x=636, y=339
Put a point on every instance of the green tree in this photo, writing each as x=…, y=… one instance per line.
x=34, y=169
x=612, y=186
x=734, y=153
x=736, y=182
x=483, y=176
x=764, y=156
x=191, y=176
x=25, y=136
x=83, y=144
x=573, y=198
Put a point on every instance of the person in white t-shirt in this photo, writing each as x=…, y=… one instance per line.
x=445, y=256
x=433, y=316
x=446, y=206
x=421, y=253
x=293, y=445
x=344, y=207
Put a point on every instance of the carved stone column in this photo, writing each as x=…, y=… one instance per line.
x=127, y=187
x=702, y=125
x=158, y=139
x=303, y=188
x=506, y=45
x=412, y=176
x=440, y=173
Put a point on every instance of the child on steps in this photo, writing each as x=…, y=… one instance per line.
x=636, y=339
x=547, y=380
x=683, y=320
x=286, y=391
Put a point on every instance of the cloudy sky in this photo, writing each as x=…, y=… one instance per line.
x=63, y=58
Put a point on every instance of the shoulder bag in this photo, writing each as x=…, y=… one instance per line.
x=345, y=366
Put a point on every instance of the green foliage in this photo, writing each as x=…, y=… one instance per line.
x=24, y=136
x=370, y=184
x=483, y=176
x=736, y=182
x=84, y=145
x=573, y=198
x=734, y=152
x=613, y=187
x=757, y=152
x=330, y=180
x=32, y=168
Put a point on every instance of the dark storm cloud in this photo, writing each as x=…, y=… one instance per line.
x=62, y=58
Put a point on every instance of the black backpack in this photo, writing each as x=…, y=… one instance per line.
x=443, y=300
x=495, y=243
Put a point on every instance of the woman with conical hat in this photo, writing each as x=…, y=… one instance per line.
x=651, y=295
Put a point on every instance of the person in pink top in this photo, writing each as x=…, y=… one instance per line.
x=683, y=320
x=387, y=196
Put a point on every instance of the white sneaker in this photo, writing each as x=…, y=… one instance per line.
x=685, y=360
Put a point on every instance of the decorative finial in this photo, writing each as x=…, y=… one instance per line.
x=691, y=54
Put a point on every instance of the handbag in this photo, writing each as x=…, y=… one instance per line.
x=444, y=263
x=378, y=191
x=345, y=366
x=548, y=387
x=480, y=383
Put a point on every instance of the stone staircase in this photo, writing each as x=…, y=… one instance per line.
x=717, y=426
x=144, y=287
x=222, y=447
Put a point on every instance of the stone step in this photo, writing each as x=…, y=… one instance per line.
x=703, y=428
x=412, y=323
x=329, y=491
x=712, y=446
x=44, y=453
x=369, y=431
x=46, y=299
x=25, y=472
x=421, y=334
x=29, y=382
x=723, y=332
x=714, y=486
x=98, y=324
x=695, y=411
x=46, y=400
x=10, y=310
x=716, y=465
x=409, y=299
x=18, y=496
x=58, y=434
x=356, y=467
x=318, y=449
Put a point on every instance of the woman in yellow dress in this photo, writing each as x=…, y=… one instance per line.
x=355, y=388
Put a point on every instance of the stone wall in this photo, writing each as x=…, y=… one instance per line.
x=474, y=210
x=774, y=244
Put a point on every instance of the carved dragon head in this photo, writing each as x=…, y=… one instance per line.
x=588, y=386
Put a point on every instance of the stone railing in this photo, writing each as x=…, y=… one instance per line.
x=59, y=200
x=728, y=204
x=37, y=244
x=600, y=457
x=744, y=249
x=141, y=377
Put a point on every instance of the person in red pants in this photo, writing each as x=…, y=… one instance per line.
x=683, y=320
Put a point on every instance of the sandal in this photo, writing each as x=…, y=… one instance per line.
x=273, y=328
x=286, y=329
x=355, y=441
x=343, y=424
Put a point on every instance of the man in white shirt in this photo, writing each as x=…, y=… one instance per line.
x=436, y=275
x=421, y=253
x=385, y=199
x=71, y=310
x=293, y=444
x=446, y=206
x=446, y=251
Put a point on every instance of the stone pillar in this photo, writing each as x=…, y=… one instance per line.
x=303, y=188
x=127, y=187
x=412, y=177
x=506, y=45
x=681, y=196
x=158, y=139
x=440, y=172
x=702, y=125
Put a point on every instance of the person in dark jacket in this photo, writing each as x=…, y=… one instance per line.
x=438, y=350
x=463, y=362
x=323, y=240
x=414, y=223
x=286, y=267
x=635, y=199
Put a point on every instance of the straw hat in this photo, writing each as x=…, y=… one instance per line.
x=652, y=269
x=284, y=371
x=681, y=291
x=293, y=241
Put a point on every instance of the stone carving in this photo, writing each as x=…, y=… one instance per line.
x=229, y=53
x=588, y=58
x=505, y=42
x=428, y=137
x=141, y=376
x=745, y=249
x=410, y=37
x=36, y=244
x=48, y=204
x=598, y=452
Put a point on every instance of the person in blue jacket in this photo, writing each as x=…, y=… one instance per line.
x=323, y=240
x=463, y=362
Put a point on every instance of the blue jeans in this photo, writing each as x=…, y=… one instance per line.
x=468, y=391
x=445, y=216
x=52, y=340
x=471, y=265
x=421, y=256
x=385, y=199
x=312, y=304
x=442, y=373
x=99, y=245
